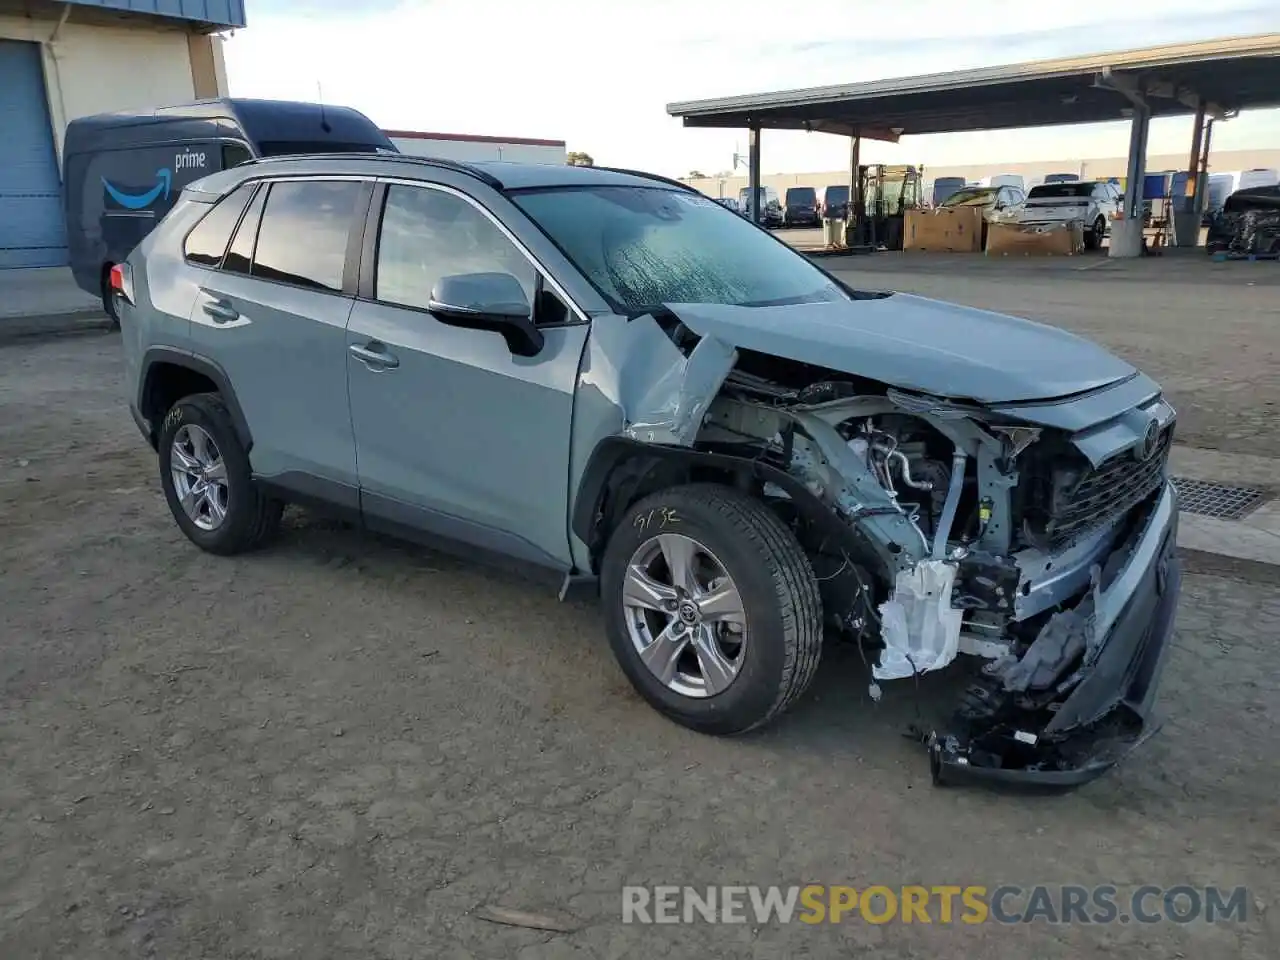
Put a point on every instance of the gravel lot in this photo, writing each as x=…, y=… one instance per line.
x=341, y=747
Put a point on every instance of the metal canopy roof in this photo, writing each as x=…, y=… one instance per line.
x=1231, y=74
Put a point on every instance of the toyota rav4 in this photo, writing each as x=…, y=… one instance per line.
x=610, y=376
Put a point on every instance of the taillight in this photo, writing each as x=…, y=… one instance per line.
x=121, y=281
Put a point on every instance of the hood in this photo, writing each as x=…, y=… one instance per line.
x=918, y=344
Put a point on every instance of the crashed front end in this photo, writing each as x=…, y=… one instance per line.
x=1036, y=536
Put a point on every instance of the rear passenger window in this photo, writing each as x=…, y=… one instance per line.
x=239, y=258
x=304, y=231
x=208, y=241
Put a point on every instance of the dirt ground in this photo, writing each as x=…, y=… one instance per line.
x=341, y=747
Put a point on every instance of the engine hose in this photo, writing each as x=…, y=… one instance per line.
x=943, y=533
x=905, y=465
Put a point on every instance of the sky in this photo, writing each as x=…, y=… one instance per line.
x=599, y=73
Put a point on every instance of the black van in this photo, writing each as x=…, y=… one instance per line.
x=123, y=171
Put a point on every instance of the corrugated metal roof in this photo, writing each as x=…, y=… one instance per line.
x=1233, y=73
x=222, y=13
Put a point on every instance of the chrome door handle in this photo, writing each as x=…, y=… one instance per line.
x=220, y=311
x=374, y=358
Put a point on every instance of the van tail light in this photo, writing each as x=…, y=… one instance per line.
x=121, y=281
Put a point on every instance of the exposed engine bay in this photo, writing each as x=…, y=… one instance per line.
x=962, y=529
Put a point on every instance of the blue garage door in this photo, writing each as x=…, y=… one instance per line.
x=32, y=232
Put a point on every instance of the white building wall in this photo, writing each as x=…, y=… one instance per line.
x=468, y=150
x=95, y=69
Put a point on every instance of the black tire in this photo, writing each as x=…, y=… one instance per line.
x=779, y=594
x=108, y=302
x=1093, y=238
x=251, y=517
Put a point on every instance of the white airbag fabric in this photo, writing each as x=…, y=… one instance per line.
x=920, y=630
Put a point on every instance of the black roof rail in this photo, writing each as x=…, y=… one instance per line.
x=650, y=176
x=442, y=163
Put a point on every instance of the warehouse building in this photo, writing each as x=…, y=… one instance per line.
x=466, y=147
x=60, y=61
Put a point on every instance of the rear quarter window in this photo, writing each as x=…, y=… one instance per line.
x=207, y=241
x=239, y=258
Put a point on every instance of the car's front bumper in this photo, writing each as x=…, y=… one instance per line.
x=1109, y=711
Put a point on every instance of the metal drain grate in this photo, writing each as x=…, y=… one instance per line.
x=1217, y=499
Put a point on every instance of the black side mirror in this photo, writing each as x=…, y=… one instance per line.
x=488, y=301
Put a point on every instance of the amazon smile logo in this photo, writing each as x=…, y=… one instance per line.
x=140, y=201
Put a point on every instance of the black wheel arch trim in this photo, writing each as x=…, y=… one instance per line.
x=591, y=514
x=197, y=364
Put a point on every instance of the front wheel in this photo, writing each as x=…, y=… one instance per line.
x=1093, y=239
x=711, y=607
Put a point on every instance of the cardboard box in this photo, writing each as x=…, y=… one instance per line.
x=946, y=229
x=1040, y=240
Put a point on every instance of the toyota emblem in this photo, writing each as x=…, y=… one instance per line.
x=1150, y=440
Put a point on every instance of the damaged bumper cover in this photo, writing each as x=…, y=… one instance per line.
x=1109, y=710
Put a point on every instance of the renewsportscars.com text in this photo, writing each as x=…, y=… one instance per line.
x=941, y=904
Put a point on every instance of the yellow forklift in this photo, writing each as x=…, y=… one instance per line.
x=885, y=193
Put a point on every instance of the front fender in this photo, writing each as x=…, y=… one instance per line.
x=621, y=470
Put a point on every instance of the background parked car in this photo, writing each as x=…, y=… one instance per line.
x=996, y=202
x=1092, y=202
x=944, y=187
x=1249, y=222
x=835, y=202
x=800, y=209
x=770, y=208
x=1007, y=180
x=1259, y=177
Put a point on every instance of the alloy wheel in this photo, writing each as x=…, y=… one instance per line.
x=684, y=615
x=199, y=476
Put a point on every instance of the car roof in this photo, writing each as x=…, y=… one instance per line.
x=1070, y=183
x=501, y=175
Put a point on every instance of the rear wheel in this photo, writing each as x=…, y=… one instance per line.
x=711, y=608
x=207, y=481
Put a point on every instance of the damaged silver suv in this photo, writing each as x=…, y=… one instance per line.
x=610, y=376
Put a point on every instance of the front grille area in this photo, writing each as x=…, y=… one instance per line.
x=1080, y=503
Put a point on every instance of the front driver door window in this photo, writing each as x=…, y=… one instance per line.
x=454, y=434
